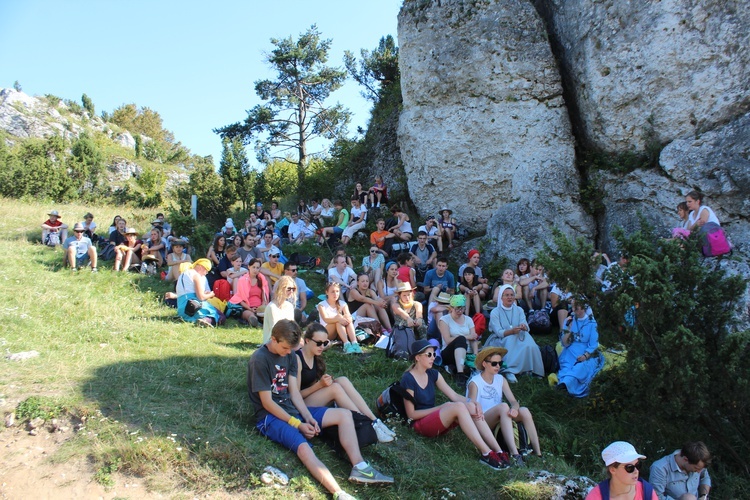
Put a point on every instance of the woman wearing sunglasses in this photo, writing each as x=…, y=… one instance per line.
x=623, y=468
x=487, y=389
x=420, y=381
x=281, y=307
x=320, y=389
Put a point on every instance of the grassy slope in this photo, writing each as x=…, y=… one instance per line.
x=173, y=397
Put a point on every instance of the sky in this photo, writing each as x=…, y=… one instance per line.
x=194, y=62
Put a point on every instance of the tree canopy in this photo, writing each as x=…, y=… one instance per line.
x=376, y=69
x=294, y=111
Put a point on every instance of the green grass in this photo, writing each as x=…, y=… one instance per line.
x=168, y=402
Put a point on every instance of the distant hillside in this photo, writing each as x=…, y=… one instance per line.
x=125, y=155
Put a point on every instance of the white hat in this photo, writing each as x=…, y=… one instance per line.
x=54, y=212
x=620, y=452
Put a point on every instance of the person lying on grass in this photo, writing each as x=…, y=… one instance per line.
x=284, y=418
x=320, y=389
x=487, y=389
x=429, y=420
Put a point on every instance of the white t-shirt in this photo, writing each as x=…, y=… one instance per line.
x=82, y=246
x=185, y=282
x=455, y=328
x=357, y=212
x=295, y=228
x=432, y=232
x=695, y=216
x=488, y=395
x=348, y=276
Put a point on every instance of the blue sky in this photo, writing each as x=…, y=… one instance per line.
x=193, y=62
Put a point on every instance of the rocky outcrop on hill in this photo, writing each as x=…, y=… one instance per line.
x=651, y=71
x=484, y=129
x=717, y=162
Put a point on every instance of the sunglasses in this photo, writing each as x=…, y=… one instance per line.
x=320, y=343
x=373, y=251
x=79, y=231
x=273, y=256
x=292, y=270
x=630, y=468
x=494, y=363
x=430, y=354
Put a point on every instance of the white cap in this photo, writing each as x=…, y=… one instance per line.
x=621, y=452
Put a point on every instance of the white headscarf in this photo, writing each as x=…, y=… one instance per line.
x=500, y=296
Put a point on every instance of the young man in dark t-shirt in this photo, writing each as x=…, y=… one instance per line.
x=283, y=417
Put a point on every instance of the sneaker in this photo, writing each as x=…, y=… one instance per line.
x=368, y=475
x=348, y=348
x=385, y=427
x=510, y=378
x=461, y=379
x=504, y=458
x=253, y=322
x=518, y=461
x=355, y=349
x=383, y=437
x=343, y=495
x=94, y=270
x=491, y=460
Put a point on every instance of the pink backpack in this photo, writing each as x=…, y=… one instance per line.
x=716, y=242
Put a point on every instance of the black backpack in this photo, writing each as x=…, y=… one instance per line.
x=306, y=261
x=550, y=359
x=390, y=403
x=399, y=343
x=539, y=322
x=366, y=434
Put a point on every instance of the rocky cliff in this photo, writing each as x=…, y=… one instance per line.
x=498, y=92
x=484, y=128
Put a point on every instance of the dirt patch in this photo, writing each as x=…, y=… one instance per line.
x=27, y=471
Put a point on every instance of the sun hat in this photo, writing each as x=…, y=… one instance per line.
x=458, y=300
x=446, y=209
x=55, y=213
x=78, y=227
x=179, y=242
x=403, y=287
x=131, y=230
x=157, y=222
x=444, y=298
x=420, y=346
x=202, y=262
x=621, y=452
x=489, y=352
x=473, y=252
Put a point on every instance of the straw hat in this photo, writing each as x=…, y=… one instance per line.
x=403, y=287
x=488, y=352
x=444, y=298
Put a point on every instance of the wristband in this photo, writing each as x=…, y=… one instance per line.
x=294, y=422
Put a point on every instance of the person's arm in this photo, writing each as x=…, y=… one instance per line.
x=704, y=488
x=327, y=316
x=266, y=271
x=515, y=406
x=433, y=258
x=211, y=255
x=445, y=331
x=473, y=392
x=399, y=311
x=475, y=409
x=200, y=290
x=658, y=479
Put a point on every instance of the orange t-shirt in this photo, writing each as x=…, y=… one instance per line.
x=376, y=235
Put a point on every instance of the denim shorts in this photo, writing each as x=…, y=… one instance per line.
x=281, y=432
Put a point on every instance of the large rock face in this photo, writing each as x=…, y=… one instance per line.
x=717, y=163
x=646, y=70
x=484, y=129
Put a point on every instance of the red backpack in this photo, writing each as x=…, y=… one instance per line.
x=222, y=290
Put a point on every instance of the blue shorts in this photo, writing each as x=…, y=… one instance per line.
x=281, y=432
x=338, y=230
x=81, y=260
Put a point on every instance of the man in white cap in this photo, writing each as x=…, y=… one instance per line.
x=79, y=250
x=54, y=231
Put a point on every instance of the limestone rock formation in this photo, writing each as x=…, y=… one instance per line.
x=717, y=163
x=484, y=129
x=645, y=70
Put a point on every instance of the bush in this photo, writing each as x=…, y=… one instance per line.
x=683, y=371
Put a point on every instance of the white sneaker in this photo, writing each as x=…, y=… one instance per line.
x=383, y=437
x=384, y=428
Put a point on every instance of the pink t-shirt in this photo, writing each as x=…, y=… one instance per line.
x=596, y=493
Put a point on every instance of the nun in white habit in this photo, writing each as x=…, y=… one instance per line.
x=509, y=329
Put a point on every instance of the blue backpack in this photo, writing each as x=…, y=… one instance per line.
x=648, y=490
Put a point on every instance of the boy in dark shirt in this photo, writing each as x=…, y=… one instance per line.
x=283, y=417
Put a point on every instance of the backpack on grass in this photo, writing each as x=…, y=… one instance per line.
x=306, y=261
x=390, y=403
x=399, y=343
x=550, y=359
x=52, y=239
x=362, y=425
x=539, y=322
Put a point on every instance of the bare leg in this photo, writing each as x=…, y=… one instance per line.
x=317, y=468
x=383, y=318
x=118, y=258
x=93, y=256
x=453, y=412
x=524, y=415
x=347, y=434
x=542, y=296
x=70, y=257
x=499, y=413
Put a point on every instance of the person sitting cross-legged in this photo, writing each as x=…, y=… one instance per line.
x=283, y=417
